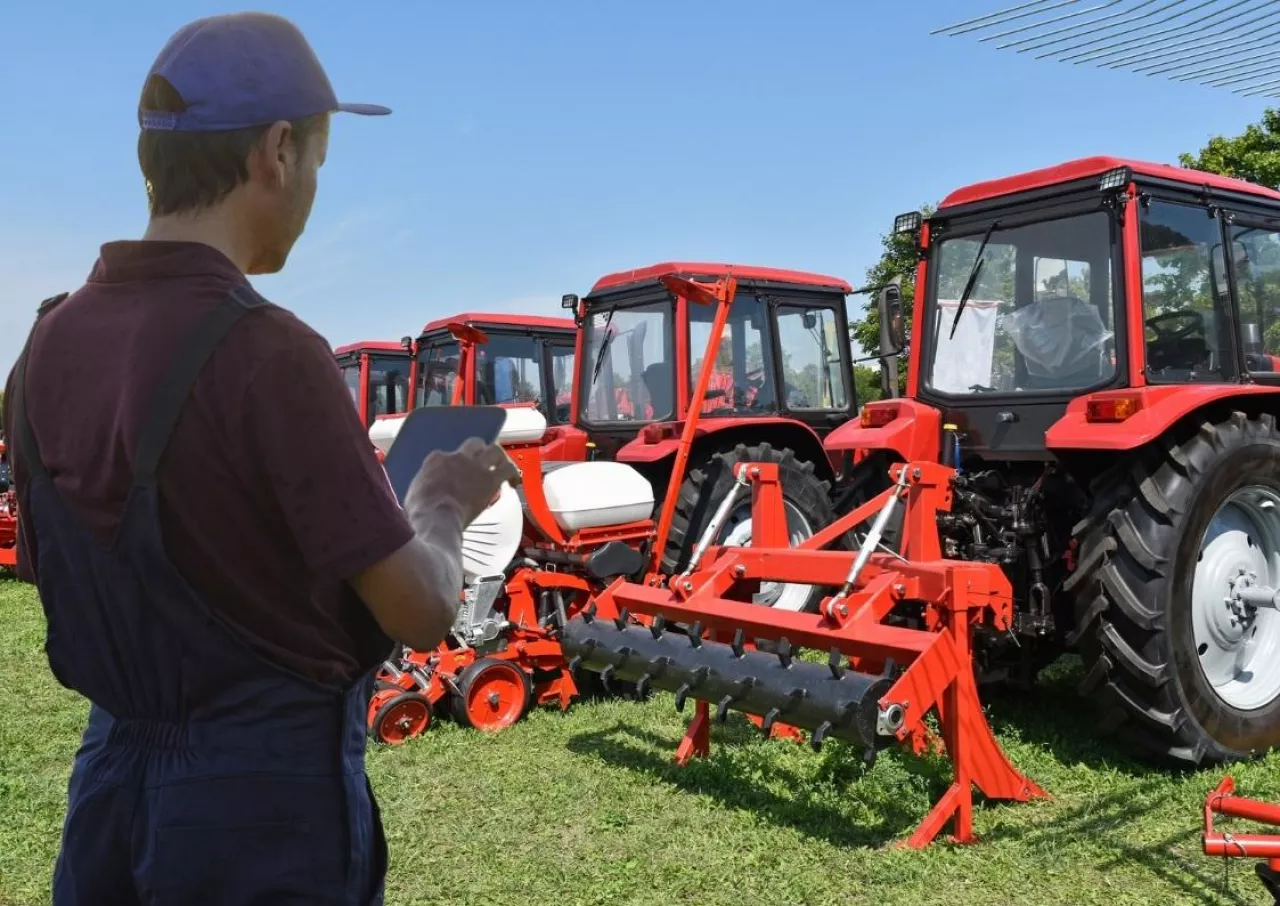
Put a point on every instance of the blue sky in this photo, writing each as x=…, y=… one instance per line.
x=536, y=146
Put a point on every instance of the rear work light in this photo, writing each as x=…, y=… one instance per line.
x=1114, y=179
x=1112, y=409
x=907, y=223
x=878, y=416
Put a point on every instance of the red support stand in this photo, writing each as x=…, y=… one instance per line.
x=697, y=739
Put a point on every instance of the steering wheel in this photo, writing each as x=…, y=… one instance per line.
x=1194, y=321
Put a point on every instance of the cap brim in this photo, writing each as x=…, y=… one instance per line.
x=364, y=109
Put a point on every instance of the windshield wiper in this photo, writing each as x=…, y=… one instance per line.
x=604, y=345
x=973, y=277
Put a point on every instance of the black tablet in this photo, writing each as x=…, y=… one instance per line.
x=442, y=428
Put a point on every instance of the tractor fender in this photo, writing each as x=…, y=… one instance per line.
x=659, y=442
x=910, y=429
x=1091, y=421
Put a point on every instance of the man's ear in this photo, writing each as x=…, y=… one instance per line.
x=274, y=156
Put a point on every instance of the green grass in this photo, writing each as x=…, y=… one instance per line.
x=586, y=807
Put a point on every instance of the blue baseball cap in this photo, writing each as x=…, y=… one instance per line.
x=241, y=70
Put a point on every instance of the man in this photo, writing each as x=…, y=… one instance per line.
x=220, y=558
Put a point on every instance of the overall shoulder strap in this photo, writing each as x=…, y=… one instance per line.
x=176, y=387
x=24, y=448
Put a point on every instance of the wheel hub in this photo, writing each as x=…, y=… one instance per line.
x=1238, y=641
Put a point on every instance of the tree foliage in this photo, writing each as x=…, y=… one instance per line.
x=1253, y=154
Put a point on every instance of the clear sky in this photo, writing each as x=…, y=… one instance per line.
x=535, y=146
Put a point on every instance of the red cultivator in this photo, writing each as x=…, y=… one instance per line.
x=897, y=670
x=1222, y=801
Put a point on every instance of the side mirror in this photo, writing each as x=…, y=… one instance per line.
x=892, y=329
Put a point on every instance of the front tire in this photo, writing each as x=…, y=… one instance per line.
x=1156, y=617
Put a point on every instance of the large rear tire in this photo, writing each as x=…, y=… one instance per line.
x=1175, y=662
x=806, y=498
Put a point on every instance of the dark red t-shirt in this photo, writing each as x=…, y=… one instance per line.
x=270, y=492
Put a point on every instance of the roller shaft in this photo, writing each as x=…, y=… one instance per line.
x=803, y=694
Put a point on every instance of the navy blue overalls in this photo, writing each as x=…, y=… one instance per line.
x=206, y=774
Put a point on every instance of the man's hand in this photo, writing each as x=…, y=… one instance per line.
x=464, y=482
x=413, y=594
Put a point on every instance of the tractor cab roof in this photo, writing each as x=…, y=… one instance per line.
x=691, y=270
x=371, y=346
x=1088, y=167
x=539, y=323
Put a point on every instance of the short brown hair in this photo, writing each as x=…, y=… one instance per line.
x=187, y=171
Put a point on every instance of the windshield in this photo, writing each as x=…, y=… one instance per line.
x=1038, y=317
x=437, y=374
x=388, y=384
x=562, y=380
x=741, y=380
x=508, y=370
x=1184, y=295
x=814, y=376
x=627, y=365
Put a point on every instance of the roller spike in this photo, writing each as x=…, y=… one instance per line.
x=769, y=719
x=642, y=686
x=622, y=619
x=722, y=709
x=784, y=653
x=574, y=663
x=625, y=650
x=589, y=613
x=837, y=670
x=700, y=674
x=739, y=642
x=695, y=635
x=681, y=694
x=605, y=675
x=869, y=757
x=659, y=623
x=819, y=735
x=890, y=668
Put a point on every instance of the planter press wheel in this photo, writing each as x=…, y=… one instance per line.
x=396, y=716
x=492, y=695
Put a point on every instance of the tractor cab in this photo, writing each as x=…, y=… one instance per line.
x=783, y=356
x=503, y=360
x=377, y=374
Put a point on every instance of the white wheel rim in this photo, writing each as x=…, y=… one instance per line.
x=1239, y=646
x=737, y=533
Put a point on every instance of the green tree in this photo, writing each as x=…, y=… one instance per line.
x=898, y=258
x=1253, y=154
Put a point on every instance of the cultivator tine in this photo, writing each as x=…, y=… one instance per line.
x=722, y=709
x=643, y=685
x=681, y=694
x=658, y=625
x=739, y=642
x=819, y=735
x=834, y=663
x=606, y=677
x=769, y=720
x=622, y=619
x=784, y=652
x=695, y=635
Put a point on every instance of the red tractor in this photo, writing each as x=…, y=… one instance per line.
x=780, y=381
x=377, y=373
x=8, y=514
x=504, y=360
x=1093, y=355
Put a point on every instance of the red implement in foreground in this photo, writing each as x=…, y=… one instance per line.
x=885, y=673
x=1222, y=801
